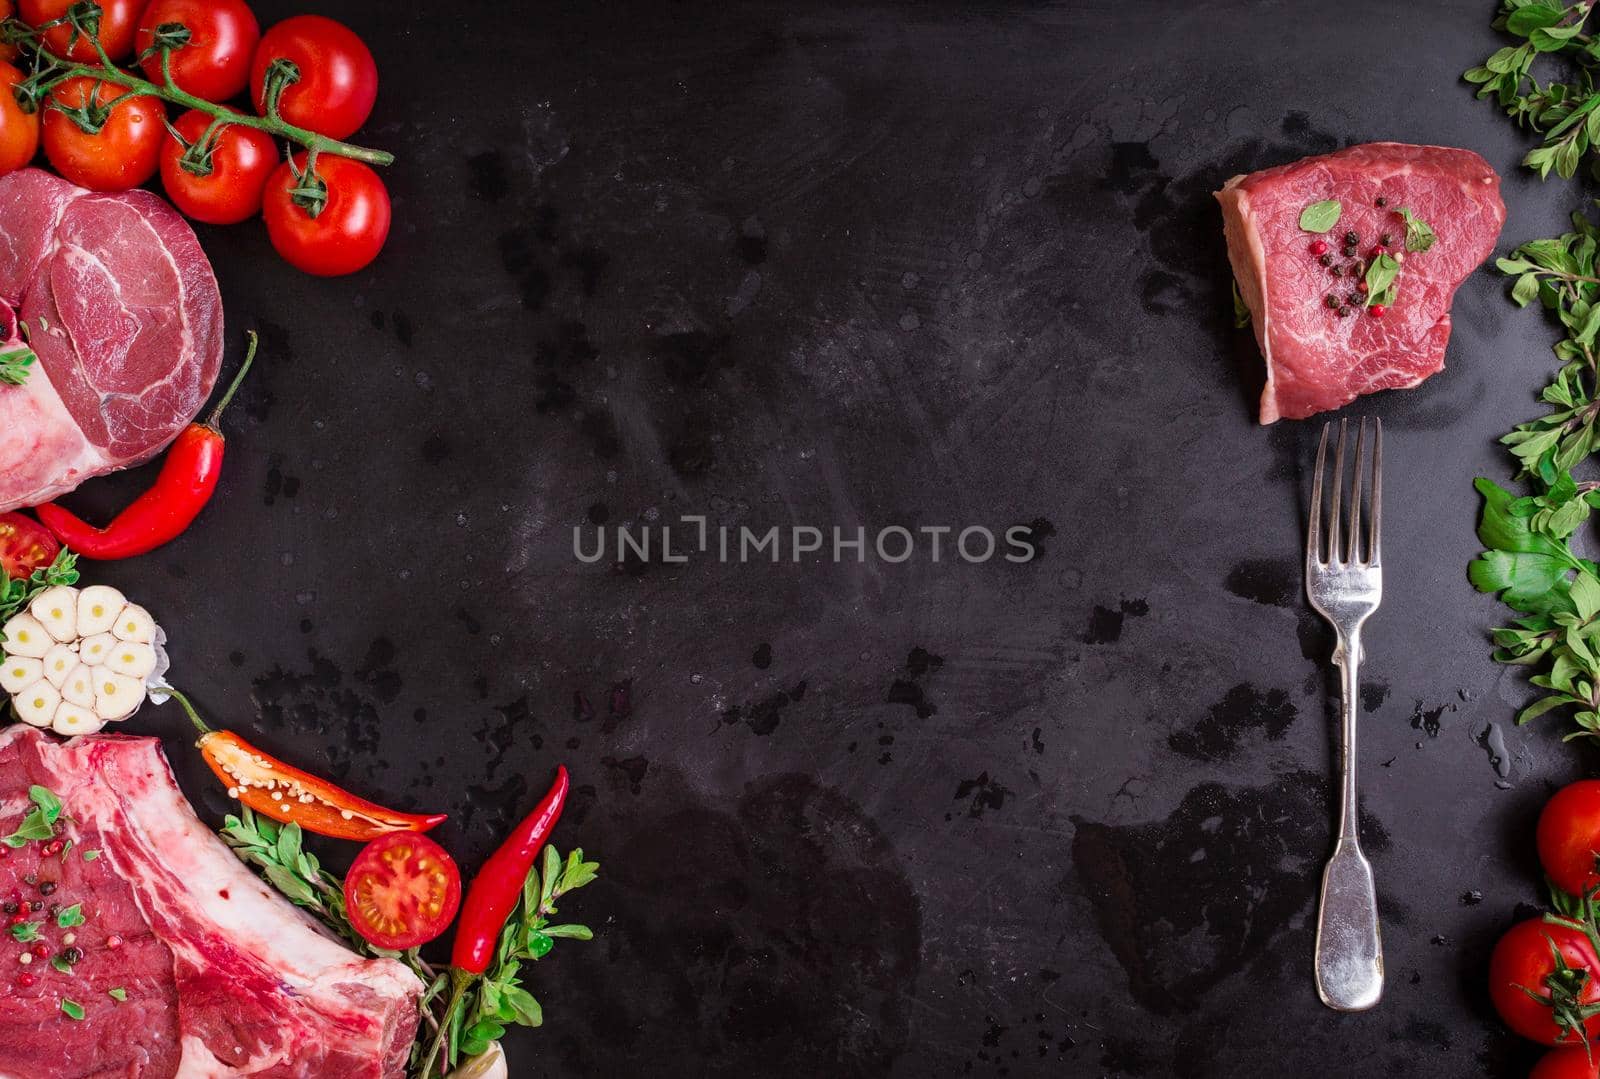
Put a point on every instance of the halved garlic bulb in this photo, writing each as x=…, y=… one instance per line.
x=78, y=659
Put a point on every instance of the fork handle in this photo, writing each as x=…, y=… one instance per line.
x=1349, y=953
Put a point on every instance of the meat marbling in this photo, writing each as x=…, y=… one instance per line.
x=1317, y=360
x=223, y=977
x=125, y=318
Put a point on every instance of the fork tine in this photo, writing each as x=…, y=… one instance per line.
x=1314, y=531
x=1338, y=493
x=1377, y=490
x=1352, y=542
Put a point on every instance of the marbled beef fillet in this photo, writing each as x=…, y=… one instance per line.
x=1318, y=359
x=220, y=975
x=124, y=314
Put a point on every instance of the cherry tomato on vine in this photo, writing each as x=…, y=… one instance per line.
x=1569, y=836
x=402, y=890
x=117, y=19
x=338, y=78
x=1567, y=1064
x=215, y=62
x=238, y=160
x=19, y=131
x=350, y=228
x=1523, y=963
x=25, y=545
x=124, y=145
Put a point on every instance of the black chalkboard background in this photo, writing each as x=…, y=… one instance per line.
x=881, y=264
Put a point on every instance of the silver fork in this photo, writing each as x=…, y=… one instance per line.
x=1345, y=587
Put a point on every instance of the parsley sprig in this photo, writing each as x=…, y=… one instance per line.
x=1567, y=114
x=1530, y=557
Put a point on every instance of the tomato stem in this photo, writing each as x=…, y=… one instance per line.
x=233, y=387
x=58, y=70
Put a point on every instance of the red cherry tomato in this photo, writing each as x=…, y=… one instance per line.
x=117, y=19
x=215, y=63
x=240, y=160
x=1569, y=836
x=338, y=78
x=349, y=231
x=402, y=890
x=122, y=153
x=1522, y=963
x=8, y=9
x=1567, y=1064
x=19, y=131
x=25, y=545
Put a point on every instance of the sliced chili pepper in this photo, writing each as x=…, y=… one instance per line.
x=285, y=793
x=498, y=885
x=188, y=477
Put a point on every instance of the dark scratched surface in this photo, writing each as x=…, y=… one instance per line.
x=885, y=265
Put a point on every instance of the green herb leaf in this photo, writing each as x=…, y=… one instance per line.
x=68, y=917
x=91, y=854
x=1381, y=276
x=47, y=802
x=25, y=932
x=1241, y=310
x=118, y=993
x=60, y=963
x=1321, y=216
x=1419, y=234
x=71, y=1008
x=15, y=366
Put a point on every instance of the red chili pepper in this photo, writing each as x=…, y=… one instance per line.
x=285, y=793
x=498, y=885
x=188, y=477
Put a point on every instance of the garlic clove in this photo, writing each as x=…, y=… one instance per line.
x=24, y=636
x=70, y=719
x=57, y=611
x=98, y=607
x=135, y=624
x=37, y=704
x=97, y=649
x=116, y=695
x=20, y=672
x=78, y=687
x=58, y=662
x=133, y=660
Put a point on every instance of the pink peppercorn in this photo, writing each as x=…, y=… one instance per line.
x=1319, y=247
x=26, y=980
x=41, y=949
x=1376, y=310
x=113, y=941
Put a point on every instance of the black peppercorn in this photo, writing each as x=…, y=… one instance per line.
x=47, y=887
x=1337, y=271
x=1386, y=240
x=36, y=905
x=1343, y=312
x=1380, y=202
x=10, y=907
x=1326, y=260
x=72, y=955
x=1354, y=299
x=1351, y=237
x=1331, y=300
x=1350, y=251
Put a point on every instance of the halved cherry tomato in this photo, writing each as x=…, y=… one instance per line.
x=19, y=131
x=1569, y=836
x=338, y=78
x=25, y=545
x=1559, y=967
x=346, y=234
x=117, y=20
x=402, y=891
x=239, y=159
x=215, y=62
x=1567, y=1064
x=124, y=149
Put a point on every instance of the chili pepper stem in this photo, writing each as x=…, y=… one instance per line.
x=459, y=980
x=233, y=387
x=194, y=716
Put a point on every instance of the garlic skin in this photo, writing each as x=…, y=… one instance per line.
x=78, y=659
x=489, y=1064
